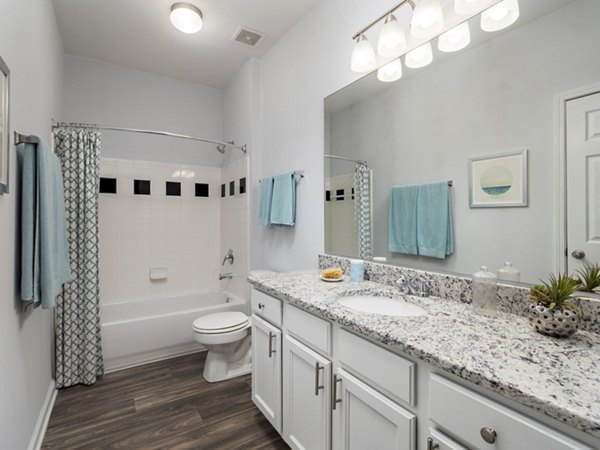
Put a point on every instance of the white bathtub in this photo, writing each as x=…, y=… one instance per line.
x=144, y=330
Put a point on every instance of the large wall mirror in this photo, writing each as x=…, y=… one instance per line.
x=499, y=95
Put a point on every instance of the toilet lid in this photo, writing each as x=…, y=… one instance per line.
x=222, y=322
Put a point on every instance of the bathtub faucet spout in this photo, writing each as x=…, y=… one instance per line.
x=223, y=276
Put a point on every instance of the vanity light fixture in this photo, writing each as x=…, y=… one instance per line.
x=455, y=39
x=392, y=71
x=500, y=16
x=363, y=55
x=427, y=19
x=419, y=57
x=186, y=17
x=392, y=40
x=470, y=6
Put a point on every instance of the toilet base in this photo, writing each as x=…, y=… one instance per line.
x=225, y=363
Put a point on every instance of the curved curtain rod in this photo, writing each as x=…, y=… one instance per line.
x=221, y=144
x=356, y=161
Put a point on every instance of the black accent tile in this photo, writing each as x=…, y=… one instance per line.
x=339, y=194
x=231, y=188
x=327, y=195
x=141, y=187
x=201, y=189
x=222, y=190
x=174, y=188
x=108, y=185
x=243, y=185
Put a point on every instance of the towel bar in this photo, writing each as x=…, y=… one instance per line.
x=24, y=139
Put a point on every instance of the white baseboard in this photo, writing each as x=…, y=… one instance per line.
x=127, y=362
x=42, y=423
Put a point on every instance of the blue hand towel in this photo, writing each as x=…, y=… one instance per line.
x=435, y=236
x=44, y=248
x=266, y=195
x=402, y=220
x=283, y=205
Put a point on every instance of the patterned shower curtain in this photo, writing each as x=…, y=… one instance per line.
x=77, y=318
x=362, y=211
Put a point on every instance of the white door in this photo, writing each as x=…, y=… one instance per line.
x=266, y=370
x=366, y=419
x=306, y=398
x=583, y=181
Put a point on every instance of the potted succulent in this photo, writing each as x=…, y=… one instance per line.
x=552, y=311
x=589, y=278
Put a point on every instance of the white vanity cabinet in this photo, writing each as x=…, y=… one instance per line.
x=266, y=358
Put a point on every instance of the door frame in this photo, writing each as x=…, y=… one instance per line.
x=560, y=115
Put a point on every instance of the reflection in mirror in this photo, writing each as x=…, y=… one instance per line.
x=497, y=95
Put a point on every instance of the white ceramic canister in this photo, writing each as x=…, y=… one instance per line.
x=485, y=300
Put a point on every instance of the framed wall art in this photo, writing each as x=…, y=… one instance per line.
x=498, y=181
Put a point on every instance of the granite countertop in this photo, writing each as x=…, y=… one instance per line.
x=559, y=378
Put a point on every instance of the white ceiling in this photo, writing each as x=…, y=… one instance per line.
x=139, y=35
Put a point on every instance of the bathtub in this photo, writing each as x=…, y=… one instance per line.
x=144, y=330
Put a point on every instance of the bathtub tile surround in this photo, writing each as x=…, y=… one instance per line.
x=512, y=299
x=557, y=378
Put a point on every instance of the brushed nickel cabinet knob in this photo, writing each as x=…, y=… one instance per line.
x=488, y=435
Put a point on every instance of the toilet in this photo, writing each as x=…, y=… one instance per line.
x=227, y=337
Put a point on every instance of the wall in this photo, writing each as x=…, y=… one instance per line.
x=31, y=47
x=97, y=92
x=310, y=62
x=412, y=133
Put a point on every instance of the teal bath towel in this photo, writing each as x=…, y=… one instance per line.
x=435, y=234
x=402, y=220
x=266, y=195
x=44, y=246
x=283, y=203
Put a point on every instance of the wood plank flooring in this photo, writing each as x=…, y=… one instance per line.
x=163, y=405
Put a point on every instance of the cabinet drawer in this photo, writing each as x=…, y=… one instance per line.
x=385, y=370
x=444, y=442
x=464, y=414
x=267, y=307
x=309, y=329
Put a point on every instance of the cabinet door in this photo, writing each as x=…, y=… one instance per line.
x=366, y=419
x=307, y=395
x=266, y=370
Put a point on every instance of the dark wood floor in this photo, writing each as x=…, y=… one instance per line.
x=163, y=405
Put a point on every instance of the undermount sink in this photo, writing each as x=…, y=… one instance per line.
x=381, y=305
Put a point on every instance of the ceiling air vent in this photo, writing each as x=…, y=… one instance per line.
x=247, y=37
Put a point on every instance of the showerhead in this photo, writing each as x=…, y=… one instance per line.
x=221, y=148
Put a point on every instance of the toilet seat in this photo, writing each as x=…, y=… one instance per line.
x=218, y=323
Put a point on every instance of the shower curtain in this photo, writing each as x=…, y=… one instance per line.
x=77, y=321
x=362, y=211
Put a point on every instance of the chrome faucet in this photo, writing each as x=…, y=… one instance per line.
x=223, y=276
x=418, y=287
x=229, y=257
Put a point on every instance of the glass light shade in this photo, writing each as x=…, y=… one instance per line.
x=455, y=39
x=392, y=71
x=419, y=57
x=186, y=18
x=392, y=40
x=427, y=19
x=470, y=6
x=500, y=16
x=363, y=56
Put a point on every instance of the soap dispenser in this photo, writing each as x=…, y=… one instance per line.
x=485, y=300
x=509, y=273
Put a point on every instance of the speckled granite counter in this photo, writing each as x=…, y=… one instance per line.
x=560, y=378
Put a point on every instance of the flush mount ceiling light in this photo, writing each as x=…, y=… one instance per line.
x=392, y=40
x=419, y=57
x=455, y=39
x=392, y=71
x=186, y=17
x=427, y=19
x=470, y=6
x=363, y=55
x=500, y=16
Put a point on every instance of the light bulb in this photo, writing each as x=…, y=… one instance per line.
x=186, y=17
x=427, y=19
x=392, y=40
x=392, y=71
x=363, y=56
x=419, y=57
x=500, y=16
x=470, y=6
x=455, y=39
